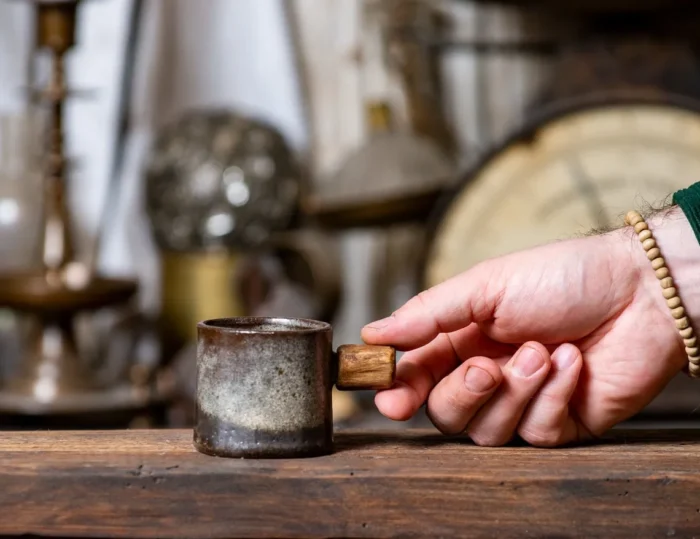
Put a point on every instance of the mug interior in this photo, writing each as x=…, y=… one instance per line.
x=265, y=325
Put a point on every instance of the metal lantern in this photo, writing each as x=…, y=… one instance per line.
x=219, y=179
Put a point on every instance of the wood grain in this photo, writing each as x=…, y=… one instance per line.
x=362, y=366
x=384, y=484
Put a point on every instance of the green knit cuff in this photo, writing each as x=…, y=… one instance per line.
x=689, y=201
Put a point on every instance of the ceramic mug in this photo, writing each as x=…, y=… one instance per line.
x=264, y=385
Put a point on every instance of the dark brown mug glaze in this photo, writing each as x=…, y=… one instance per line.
x=264, y=388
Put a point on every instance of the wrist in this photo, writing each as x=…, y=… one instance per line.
x=681, y=251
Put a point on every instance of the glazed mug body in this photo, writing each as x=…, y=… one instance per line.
x=264, y=388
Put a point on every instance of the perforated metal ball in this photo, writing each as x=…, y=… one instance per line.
x=218, y=178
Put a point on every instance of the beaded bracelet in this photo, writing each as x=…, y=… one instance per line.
x=673, y=300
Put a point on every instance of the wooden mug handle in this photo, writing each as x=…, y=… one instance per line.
x=361, y=366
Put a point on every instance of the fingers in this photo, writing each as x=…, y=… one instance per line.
x=416, y=375
x=454, y=304
x=547, y=421
x=530, y=394
x=418, y=371
x=459, y=396
x=532, y=398
x=496, y=421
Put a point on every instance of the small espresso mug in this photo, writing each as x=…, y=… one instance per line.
x=264, y=385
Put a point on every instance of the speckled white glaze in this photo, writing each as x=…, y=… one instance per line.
x=270, y=378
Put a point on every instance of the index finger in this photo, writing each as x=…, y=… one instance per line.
x=447, y=307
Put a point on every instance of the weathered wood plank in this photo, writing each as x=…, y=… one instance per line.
x=384, y=484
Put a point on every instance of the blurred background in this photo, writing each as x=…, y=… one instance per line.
x=167, y=161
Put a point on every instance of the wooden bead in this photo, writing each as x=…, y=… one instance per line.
x=633, y=217
x=644, y=235
x=657, y=263
x=649, y=244
x=674, y=302
x=662, y=273
x=683, y=323
x=678, y=313
x=686, y=333
x=365, y=367
x=669, y=292
x=653, y=253
x=640, y=227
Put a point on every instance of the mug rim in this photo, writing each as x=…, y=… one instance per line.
x=240, y=325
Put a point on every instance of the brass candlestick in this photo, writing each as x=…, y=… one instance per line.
x=53, y=378
x=55, y=31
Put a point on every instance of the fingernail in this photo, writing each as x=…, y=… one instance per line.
x=478, y=380
x=527, y=362
x=380, y=324
x=564, y=357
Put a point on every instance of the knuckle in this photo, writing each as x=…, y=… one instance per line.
x=542, y=426
x=482, y=306
x=442, y=426
x=447, y=430
x=539, y=437
x=484, y=439
x=424, y=297
x=438, y=310
x=453, y=401
x=423, y=302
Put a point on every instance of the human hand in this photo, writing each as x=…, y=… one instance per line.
x=557, y=343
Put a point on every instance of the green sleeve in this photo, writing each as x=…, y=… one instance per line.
x=689, y=201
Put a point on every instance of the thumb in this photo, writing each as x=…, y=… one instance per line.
x=472, y=296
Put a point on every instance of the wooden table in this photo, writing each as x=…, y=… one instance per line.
x=386, y=484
